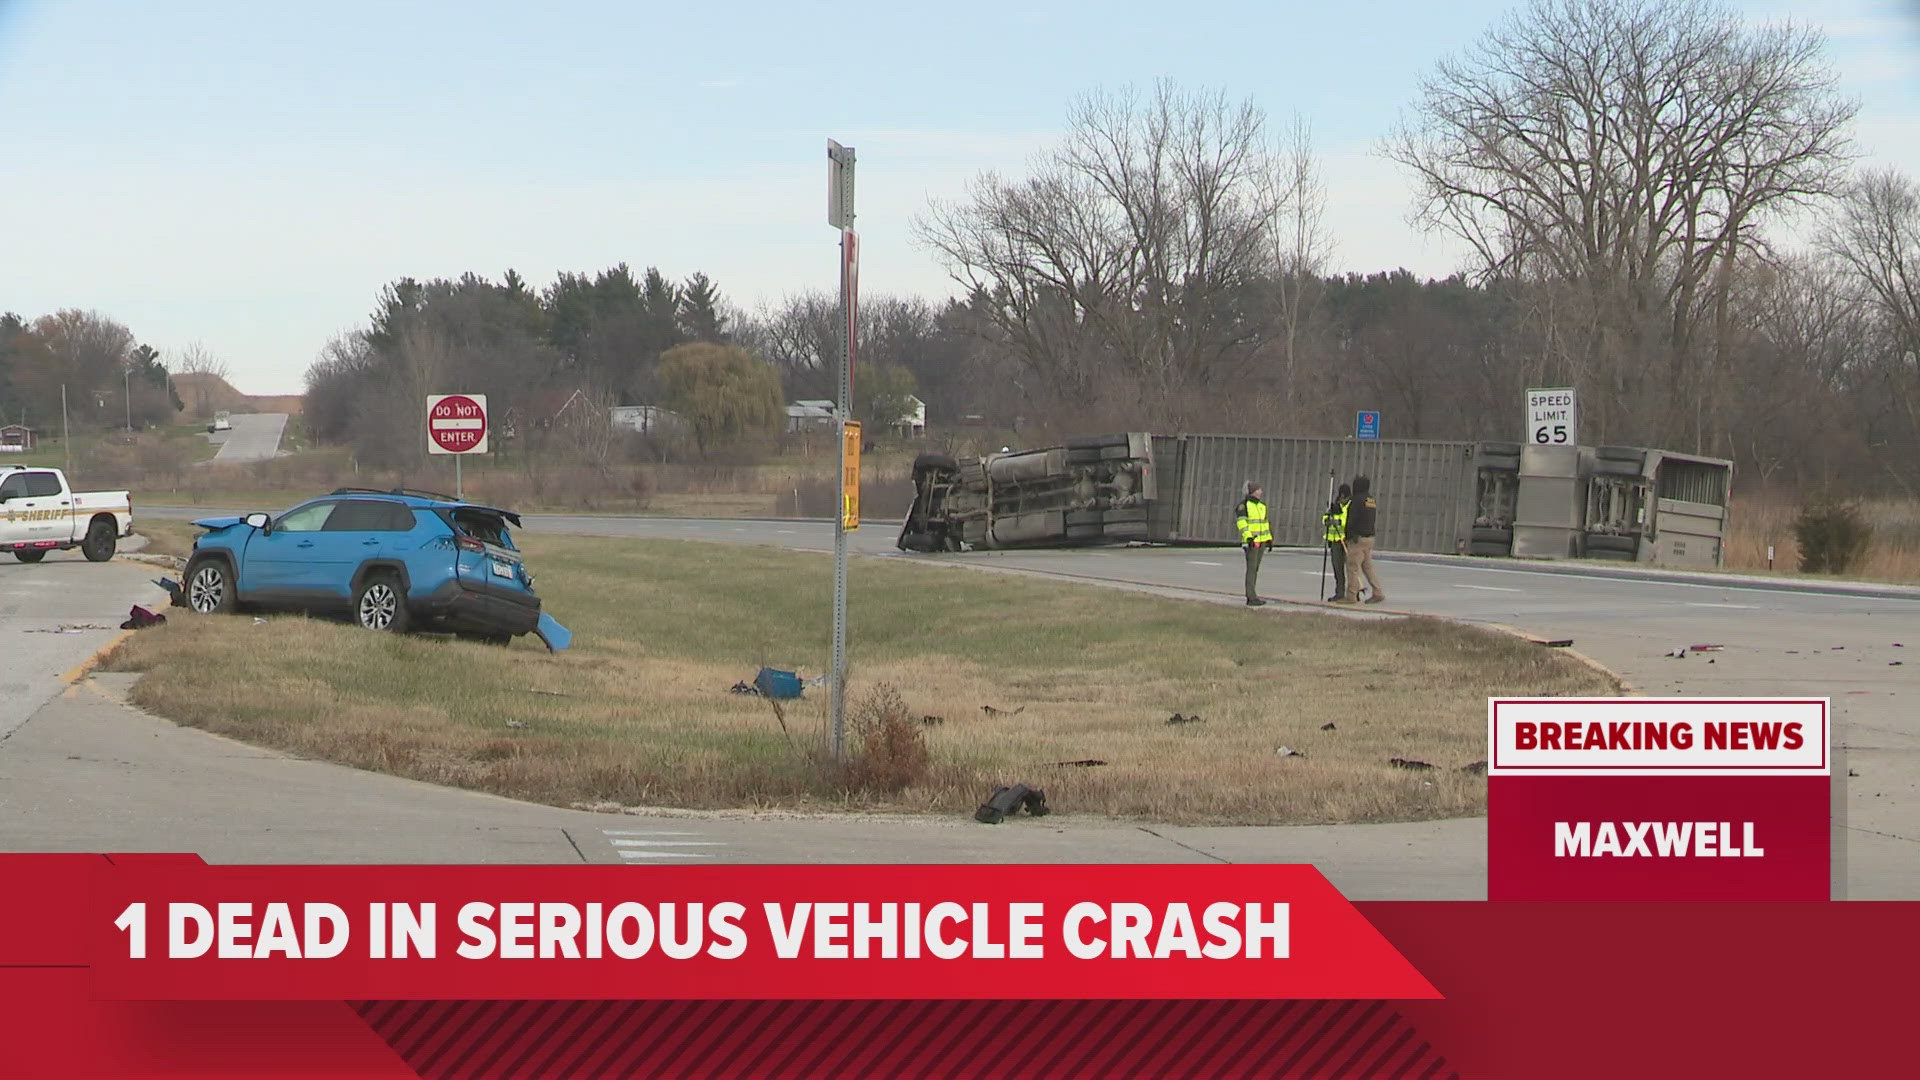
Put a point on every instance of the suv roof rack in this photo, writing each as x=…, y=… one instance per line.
x=415, y=492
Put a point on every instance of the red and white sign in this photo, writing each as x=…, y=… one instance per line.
x=1658, y=799
x=456, y=423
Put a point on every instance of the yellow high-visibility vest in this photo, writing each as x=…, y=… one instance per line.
x=1253, y=523
x=1337, y=525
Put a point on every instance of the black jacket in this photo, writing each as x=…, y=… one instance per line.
x=1360, y=516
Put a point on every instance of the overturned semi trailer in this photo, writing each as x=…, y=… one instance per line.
x=1490, y=499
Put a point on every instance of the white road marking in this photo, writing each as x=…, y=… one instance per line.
x=1486, y=588
x=667, y=843
x=784, y=532
x=1743, y=607
x=663, y=855
x=643, y=832
x=1197, y=562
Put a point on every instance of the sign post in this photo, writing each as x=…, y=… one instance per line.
x=457, y=425
x=840, y=161
x=1366, y=425
x=1553, y=416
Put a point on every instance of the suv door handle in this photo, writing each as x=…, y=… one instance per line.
x=304, y=543
x=369, y=543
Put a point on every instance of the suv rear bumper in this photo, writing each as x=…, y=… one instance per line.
x=478, y=607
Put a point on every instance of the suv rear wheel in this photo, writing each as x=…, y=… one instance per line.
x=378, y=604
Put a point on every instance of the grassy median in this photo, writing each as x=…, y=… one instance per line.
x=1017, y=675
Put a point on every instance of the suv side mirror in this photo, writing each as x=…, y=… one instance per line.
x=257, y=520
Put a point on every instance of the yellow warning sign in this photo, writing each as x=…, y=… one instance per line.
x=850, y=513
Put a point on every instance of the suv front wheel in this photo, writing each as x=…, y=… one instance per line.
x=209, y=588
x=379, y=604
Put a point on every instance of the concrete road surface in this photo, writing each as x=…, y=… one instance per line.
x=1842, y=643
x=255, y=437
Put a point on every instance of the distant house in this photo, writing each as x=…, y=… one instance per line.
x=913, y=421
x=16, y=439
x=648, y=420
x=807, y=415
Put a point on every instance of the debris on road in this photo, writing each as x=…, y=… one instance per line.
x=1895, y=663
x=1404, y=763
x=1705, y=648
x=1853, y=774
x=139, y=618
x=991, y=711
x=1176, y=718
x=1287, y=751
x=1677, y=654
x=1329, y=726
x=1011, y=800
x=742, y=688
x=67, y=628
x=177, y=595
x=1477, y=768
x=1083, y=763
x=776, y=684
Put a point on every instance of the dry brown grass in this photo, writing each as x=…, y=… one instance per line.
x=638, y=712
x=1762, y=520
x=165, y=537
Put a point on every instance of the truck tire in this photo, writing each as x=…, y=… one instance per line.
x=1482, y=547
x=1126, y=516
x=380, y=604
x=101, y=540
x=209, y=588
x=1085, y=532
x=29, y=556
x=1493, y=536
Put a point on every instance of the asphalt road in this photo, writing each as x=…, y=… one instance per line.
x=174, y=789
x=255, y=437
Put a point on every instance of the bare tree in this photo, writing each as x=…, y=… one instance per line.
x=1300, y=245
x=1876, y=235
x=1633, y=149
x=1125, y=264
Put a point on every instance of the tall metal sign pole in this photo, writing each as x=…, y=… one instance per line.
x=840, y=216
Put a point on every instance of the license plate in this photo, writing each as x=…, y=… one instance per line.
x=502, y=569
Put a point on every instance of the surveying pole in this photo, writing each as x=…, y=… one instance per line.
x=840, y=161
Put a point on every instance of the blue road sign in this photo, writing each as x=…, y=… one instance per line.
x=1366, y=425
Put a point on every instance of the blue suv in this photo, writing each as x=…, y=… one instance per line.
x=392, y=560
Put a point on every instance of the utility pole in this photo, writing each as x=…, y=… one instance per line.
x=126, y=382
x=840, y=161
x=66, y=433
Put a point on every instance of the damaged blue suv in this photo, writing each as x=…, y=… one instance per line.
x=391, y=560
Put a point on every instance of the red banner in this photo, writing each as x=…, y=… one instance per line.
x=186, y=930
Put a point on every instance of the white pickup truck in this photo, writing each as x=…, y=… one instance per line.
x=40, y=513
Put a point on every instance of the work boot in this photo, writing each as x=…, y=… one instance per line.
x=1376, y=598
x=1254, y=601
x=1342, y=600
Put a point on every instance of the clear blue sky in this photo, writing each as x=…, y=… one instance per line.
x=248, y=175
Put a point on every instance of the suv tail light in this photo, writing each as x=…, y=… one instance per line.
x=468, y=543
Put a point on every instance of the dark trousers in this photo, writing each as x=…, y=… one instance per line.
x=1254, y=552
x=1337, y=555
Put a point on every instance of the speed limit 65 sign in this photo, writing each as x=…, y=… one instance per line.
x=1553, y=417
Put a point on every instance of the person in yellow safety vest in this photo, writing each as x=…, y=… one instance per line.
x=1255, y=536
x=1336, y=522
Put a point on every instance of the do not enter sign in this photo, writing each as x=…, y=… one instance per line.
x=456, y=423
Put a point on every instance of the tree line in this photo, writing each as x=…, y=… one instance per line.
x=108, y=378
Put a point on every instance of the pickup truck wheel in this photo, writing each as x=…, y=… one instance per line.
x=209, y=588
x=378, y=604
x=29, y=556
x=100, y=541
